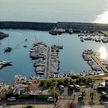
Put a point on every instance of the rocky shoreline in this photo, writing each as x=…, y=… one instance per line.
x=3, y=35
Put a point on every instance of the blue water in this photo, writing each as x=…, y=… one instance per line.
x=70, y=57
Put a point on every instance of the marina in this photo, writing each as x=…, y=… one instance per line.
x=20, y=56
x=53, y=53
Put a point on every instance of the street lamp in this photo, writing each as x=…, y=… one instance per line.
x=54, y=86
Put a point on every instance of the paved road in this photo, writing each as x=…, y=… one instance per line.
x=25, y=101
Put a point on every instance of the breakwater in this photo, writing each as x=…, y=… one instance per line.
x=46, y=26
x=26, y=25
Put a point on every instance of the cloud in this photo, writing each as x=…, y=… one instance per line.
x=103, y=17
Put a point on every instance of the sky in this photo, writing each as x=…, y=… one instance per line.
x=54, y=10
x=103, y=17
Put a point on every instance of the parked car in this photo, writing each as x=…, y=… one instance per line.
x=11, y=99
x=77, y=87
x=61, y=87
x=71, y=87
x=104, y=93
x=50, y=99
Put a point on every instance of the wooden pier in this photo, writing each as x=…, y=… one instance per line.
x=47, y=64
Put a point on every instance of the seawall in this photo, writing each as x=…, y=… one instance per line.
x=26, y=25
x=46, y=26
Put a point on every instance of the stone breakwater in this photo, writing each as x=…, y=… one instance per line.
x=47, y=26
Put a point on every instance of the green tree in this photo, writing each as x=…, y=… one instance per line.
x=83, y=94
x=92, y=95
x=54, y=93
x=66, y=82
x=49, y=83
x=10, y=87
x=75, y=76
x=60, y=82
x=42, y=82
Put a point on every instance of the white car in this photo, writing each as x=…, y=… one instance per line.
x=50, y=99
x=61, y=87
x=11, y=99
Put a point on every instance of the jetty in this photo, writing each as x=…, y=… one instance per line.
x=99, y=63
x=54, y=61
x=48, y=62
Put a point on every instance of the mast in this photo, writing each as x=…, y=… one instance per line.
x=36, y=39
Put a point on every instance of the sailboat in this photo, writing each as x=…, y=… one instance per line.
x=7, y=49
x=25, y=46
x=59, y=46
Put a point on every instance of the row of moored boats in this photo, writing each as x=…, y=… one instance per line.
x=54, y=61
x=95, y=36
x=59, y=31
x=46, y=59
x=38, y=53
x=96, y=69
